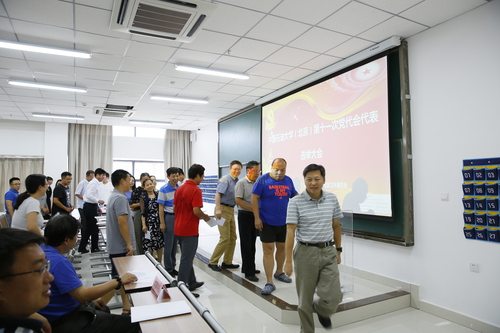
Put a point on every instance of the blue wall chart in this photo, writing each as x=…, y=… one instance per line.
x=481, y=201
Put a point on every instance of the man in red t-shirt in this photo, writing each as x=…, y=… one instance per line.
x=187, y=208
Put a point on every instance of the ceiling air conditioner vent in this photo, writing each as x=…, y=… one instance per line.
x=175, y=20
x=115, y=111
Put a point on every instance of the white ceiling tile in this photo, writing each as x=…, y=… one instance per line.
x=98, y=74
x=164, y=82
x=354, y=19
x=391, y=6
x=350, y=47
x=94, y=85
x=211, y=42
x=405, y=29
x=16, y=92
x=135, y=78
x=254, y=81
x=276, y=84
x=296, y=74
x=319, y=40
x=25, y=99
x=277, y=30
x=50, y=12
x=149, y=51
x=100, y=44
x=202, y=88
x=253, y=49
x=142, y=65
x=291, y=56
x=100, y=61
x=46, y=35
x=6, y=31
x=96, y=20
x=55, y=70
x=223, y=97
x=190, y=57
x=18, y=64
x=260, y=92
x=431, y=13
x=233, y=89
x=293, y=10
x=233, y=64
x=136, y=90
x=264, y=6
x=236, y=20
x=269, y=70
x=104, y=4
x=320, y=62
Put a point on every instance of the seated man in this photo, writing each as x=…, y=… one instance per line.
x=24, y=281
x=73, y=307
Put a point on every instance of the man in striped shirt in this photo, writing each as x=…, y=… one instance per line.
x=314, y=216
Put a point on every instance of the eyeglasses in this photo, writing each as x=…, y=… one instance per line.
x=41, y=271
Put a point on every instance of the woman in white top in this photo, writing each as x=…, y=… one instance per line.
x=27, y=208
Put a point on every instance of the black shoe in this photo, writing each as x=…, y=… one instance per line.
x=326, y=322
x=196, y=285
x=257, y=271
x=215, y=268
x=84, y=251
x=252, y=278
x=196, y=295
x=173, y=273
x=229, y=266
x=96, y=250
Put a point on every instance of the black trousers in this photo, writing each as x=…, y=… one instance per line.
x=248, y=236
x=90, y=229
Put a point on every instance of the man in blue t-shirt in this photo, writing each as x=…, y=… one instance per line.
x=270, y=196
x=10, y=198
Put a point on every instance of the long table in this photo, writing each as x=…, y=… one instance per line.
x=187, y=323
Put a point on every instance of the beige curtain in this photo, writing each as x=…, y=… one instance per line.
x=177, y=149
x=17, y=166
x=89, y=147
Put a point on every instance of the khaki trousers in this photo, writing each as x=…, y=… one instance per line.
x=227, y=240
x=316, y=269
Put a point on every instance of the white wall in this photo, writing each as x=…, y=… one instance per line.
x=22, y=138
x=455, y=115
x=206, y=147
x=133, y=148
x=55, y=150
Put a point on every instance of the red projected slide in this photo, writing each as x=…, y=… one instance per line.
x=342, y=124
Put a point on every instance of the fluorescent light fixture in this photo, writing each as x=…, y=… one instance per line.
x=48, y=86
x=178, y=99
x=43, y=49
x=147, y=122
x=57, y=116
x=360, y=56
x=208, y=71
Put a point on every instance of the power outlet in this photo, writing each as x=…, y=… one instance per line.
x=474, y=267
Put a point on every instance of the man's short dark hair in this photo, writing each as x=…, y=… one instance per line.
x=107, y=174
x=172, y=170
x=181, y=172
x=314, y=167
x=144, y=174
x=12, y=240
x=13, y=179
x=49, y=178
x=117, y=176
x=195, y=170
x=278, y=158
x=59, y=228
x=65, y=174
x=235, y=162
x=99, y=171
x=252, y=164
x=89, y=172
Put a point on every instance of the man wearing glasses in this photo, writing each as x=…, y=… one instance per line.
x=24, y=281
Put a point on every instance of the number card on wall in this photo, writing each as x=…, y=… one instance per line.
x=481, y=199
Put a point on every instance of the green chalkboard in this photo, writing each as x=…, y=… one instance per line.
x=239, y=138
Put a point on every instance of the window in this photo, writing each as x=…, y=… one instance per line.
x=139, y=132
x=137, y=167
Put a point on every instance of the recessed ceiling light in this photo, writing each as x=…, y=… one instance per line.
x=48, y=86
x=209, y=71
x=57, y=116
x=44, y=49
x=178, y=99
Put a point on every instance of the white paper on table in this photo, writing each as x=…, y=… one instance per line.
x=147, y=235
x=144, y=276
x=160, y=310
x=212, y=222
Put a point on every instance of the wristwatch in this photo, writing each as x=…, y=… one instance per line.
x=339, y=249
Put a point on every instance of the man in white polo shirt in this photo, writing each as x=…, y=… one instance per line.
x=315, y=216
